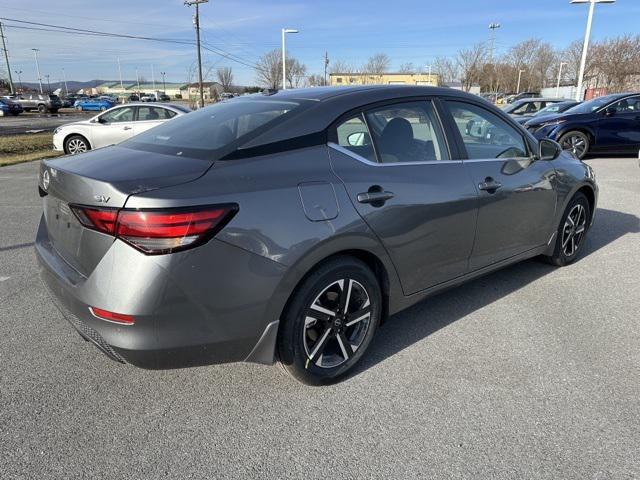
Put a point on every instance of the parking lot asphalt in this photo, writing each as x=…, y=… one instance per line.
x=34, y=122
x=532, y=372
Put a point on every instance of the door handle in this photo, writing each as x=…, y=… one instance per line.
x=377, y=199
x=489, y=185
x=127, y=128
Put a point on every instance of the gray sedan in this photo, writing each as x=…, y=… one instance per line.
x=287, y=226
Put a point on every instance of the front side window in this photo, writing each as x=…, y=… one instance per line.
x=485, y=134
x=407, y=132
x=353, y=135
x=628, y=105
x=124, y=114
x=527, y=108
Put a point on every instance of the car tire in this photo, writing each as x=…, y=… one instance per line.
x=103, y=108
x=576, y=142
x=572, y=231
x=42, y=109
x=318, y=348
x=76, y=144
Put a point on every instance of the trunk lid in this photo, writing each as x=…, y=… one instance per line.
x=103, y=178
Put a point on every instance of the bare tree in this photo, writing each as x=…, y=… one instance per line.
x=447, y=70
x=377, y=64
x=471, y=62
x=316, y=80
x=296, y=72
x=269, y=69
x=225, y=77
x=344, y=68
x=616, y=61
x=407, y=68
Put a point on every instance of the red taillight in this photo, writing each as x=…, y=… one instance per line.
x=120, y=318
x=100, y=219
x=158, y=231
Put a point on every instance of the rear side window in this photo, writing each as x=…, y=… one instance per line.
x=485, y=134
x=124, y=114
x=407, y=132
x=214, y=129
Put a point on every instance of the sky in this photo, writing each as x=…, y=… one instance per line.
x=349, y=30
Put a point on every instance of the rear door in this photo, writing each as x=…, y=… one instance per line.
x=396, y=166
x=517, y=200
x=149, y=117
x=620, y=130
x=113, y=127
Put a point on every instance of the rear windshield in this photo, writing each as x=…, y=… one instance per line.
x=214, y=131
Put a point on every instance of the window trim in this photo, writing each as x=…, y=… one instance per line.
x=360, y=111
x=366, y=161
x=464, y=154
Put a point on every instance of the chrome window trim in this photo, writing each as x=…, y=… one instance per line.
x=360, y=158
x=476, y=160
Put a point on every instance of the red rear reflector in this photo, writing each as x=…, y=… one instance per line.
x=120, y=318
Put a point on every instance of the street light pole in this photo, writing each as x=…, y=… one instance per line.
x=35, y=52
x=164, y=85
x=18, y=73
x=585, y=44
x=520, y=71
x=196, y=21
x=493, y=27
x=64, y=77
x=559, y=77
x=284, y=56
x=48, y=84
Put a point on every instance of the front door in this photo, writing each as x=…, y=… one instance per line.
x=396, y=167
x=517, y=200
x=113, y=127
x=619, y=126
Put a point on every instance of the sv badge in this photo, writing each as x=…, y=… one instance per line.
x=101, y=198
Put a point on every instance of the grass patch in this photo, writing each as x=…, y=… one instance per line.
x=25, y=148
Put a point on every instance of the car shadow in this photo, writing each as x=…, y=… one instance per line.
x=430, y=315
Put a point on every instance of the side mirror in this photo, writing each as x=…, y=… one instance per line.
x=548, y=149
x=610, y=111
x=101, y=120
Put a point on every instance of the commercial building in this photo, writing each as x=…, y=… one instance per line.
x=339, y=79
x=127, y=88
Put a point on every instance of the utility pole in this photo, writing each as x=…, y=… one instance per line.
x=164, y=85
x=48, y=83
x=153, y=79
x=326, y=64
x=35, y=52
x=138, y=82
x=196, y=22
x=66, y=89
x=6, y=58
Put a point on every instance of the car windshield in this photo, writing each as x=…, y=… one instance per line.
x=593, y=105
x=214, y=131
x=511, y=107
x=553, y=108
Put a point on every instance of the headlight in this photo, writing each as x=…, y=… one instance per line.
x=57, y=130
x=552, y=123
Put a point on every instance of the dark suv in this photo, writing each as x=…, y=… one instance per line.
x=39, y=101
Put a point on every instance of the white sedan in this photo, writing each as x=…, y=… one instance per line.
x=113, y=126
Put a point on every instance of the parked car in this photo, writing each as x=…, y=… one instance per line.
x=9, y=107
x=520, y=96
x=43, y=103
x=68, y=102
x=113, y=126
x=163, y=97
x=148, y=97
x=94, y=104
x=609, y=125
x=551, y=109
x=133, y=98
x=265, y=227
x=527, y=107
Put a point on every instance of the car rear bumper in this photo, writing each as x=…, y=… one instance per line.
x=186, y=312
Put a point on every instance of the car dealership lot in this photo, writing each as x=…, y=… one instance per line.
x=531, y=372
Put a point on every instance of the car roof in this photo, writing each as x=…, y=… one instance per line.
x=333, y=102
x=152, y=104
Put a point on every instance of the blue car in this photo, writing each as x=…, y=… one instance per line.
x=93, y=104
x=609, y=125
x=9, y=107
